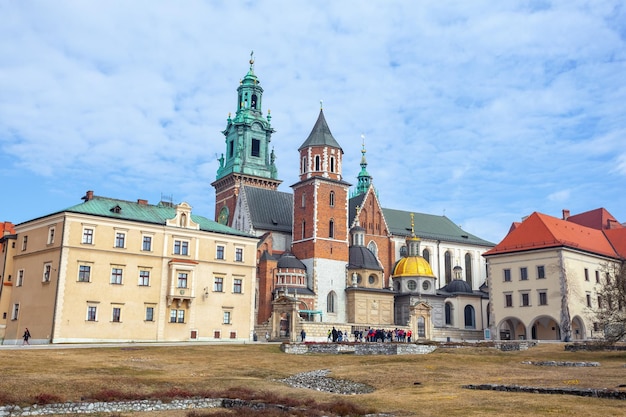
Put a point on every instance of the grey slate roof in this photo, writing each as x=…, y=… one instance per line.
x=320, y=135
x=429, y=226
x=270, y=210
x=361, y=257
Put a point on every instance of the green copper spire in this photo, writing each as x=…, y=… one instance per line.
x=364, y=179
x=248, y=133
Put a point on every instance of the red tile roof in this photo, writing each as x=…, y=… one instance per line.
x=617, y=237
x=599, y=219
x=540, y=231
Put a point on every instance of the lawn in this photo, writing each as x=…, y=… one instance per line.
x=407, y=385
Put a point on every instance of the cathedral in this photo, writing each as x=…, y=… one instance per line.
x=329, y=254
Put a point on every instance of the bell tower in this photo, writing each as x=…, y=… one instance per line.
x=320, y=219
x=248, y=159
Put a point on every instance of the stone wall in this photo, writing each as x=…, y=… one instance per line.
x=357, y=348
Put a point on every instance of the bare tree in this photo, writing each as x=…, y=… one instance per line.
x=610, y=314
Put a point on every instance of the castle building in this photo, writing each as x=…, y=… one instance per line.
x=110, y=270
x=331, y=252
x=544, y=276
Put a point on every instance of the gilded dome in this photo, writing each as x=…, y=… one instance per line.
x=413, y=266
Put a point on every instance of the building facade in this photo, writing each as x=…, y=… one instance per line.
x=544, y=276
x=109, y=270
x=329, y=250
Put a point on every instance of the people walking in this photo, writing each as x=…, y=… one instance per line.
x=26, y=337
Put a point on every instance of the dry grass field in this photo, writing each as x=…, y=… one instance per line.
x=73, y=374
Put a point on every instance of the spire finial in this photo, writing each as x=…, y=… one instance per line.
x=251, y=58
x=412, y=224
x=321, y=105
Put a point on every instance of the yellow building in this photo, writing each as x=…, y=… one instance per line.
x=108, y=270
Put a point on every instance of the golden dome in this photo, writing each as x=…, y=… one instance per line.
x=413, y=266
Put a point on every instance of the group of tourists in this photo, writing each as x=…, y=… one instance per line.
x=371, y=335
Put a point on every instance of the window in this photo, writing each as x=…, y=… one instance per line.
x=182, y=280
x=51, y=235
x=468, y=268
x=116, y=314
x=411, y=285
x=92, y=313
x=218, y=285
x=238, y=254
x=332, y=164
x=219, y=252
x=256, y=148
x=421, y=327
x=237, y=285
x=181, y=247
x=120, y=239
x=448, y=311
x=525, y=299
x=84, y=273
x=507, y=275
x=303, y=168
x=469, y=314
x=587, y=274
x=303, y=202
x=426, y=255
x=588, y=300
x=149, y=313
x=177, y=316
x=15, y=312
x=599, y=302
x=598, y=277
x=330, y=302
x=147, y=243
x=508, y=300
x=88, y=236
x=332, y=199
x=303, y=229
x=227, y=317
x=523, y=273
x=331, y=229
x=20, y=278
x=541, y=272
x=447, y=260
x=47, y=269
x=317, y=162
x=116, y=276
x=24, y=242
x=144, y=278
x=543, y=298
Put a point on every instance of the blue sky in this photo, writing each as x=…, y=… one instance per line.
x=483, y=111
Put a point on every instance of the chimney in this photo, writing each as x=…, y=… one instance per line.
x=565, y=214
x=142, y=202
x=88, y=196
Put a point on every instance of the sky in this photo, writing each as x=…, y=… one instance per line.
x=481, y=111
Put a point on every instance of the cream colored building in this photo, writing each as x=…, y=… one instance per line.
x=109, y=270
x=545, y=274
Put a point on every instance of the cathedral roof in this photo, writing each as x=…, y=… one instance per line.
x=288, y=260
x=270, y=209
x=320, y=135
x=429, y=226
x=413, y=266
x=458, y=286
x=362, y=258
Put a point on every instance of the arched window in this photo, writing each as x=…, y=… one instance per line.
x=332, y=199
x=303, y=170
x=470, y=322
x=448, y=314
x=421, y=327
x=448, y=266
x=331, y=228
x=332, y=164
x=403, y=251
x=317, y=162
x=303, y=229
x=254, y=101
x=373, y=248
x=303, y=200
x=468, y=269
x=330, y=302
x=426, y=255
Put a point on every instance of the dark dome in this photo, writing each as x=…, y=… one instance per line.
x=290, y=261
x=363, y=258
x=458, y=285
x=357, y=229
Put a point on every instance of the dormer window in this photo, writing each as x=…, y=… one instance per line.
x=117, y=209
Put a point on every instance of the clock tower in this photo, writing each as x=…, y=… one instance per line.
x=248, y=159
